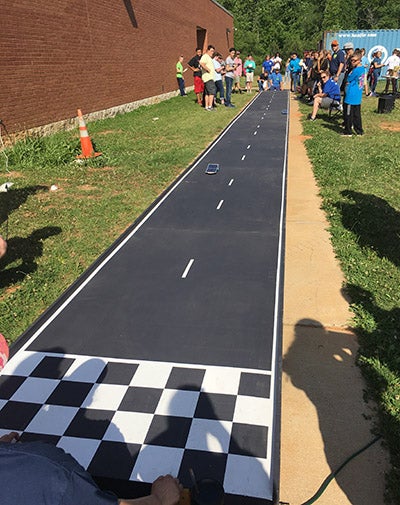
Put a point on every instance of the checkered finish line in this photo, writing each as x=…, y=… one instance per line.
x=134, y=420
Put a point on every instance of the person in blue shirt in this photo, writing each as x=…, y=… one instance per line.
x=327, y=96
x=295, y=71
x=353, y=97
x=275, y=80
x=267, y=65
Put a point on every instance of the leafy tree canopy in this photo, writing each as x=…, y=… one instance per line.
x=269, y=26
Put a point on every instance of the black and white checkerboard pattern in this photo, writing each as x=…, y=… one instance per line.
x=136, y=420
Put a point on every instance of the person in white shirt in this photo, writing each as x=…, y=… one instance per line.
x=277, y=61
x=392, y=74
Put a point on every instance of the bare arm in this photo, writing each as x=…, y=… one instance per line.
x=339, y=71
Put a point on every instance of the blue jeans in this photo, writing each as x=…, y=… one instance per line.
x=229, y=85
x=220, y=89
x=295, y=80
x=181, y=84
x=374, y=81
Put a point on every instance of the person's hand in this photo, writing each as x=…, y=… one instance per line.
x=166, y=489
x=13, y=435
x=3, y=246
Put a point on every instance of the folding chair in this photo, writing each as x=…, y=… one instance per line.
x=336, y=108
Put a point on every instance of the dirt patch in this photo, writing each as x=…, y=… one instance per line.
x=393, y=127
x=101, y=169
x=9, y=291
x=15, y=174
x=87, y=187
x=303, y=138
x=107, y=132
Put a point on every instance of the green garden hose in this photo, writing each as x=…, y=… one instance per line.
x=330, y=477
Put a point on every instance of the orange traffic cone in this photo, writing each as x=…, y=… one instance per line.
x=86, y=143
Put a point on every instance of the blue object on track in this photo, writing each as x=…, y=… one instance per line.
x=212, y=168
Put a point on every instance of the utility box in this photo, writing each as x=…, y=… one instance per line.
x=386, y=104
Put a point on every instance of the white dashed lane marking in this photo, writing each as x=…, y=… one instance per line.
x=188, y=267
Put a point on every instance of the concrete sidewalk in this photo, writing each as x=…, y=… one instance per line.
x=324, y=417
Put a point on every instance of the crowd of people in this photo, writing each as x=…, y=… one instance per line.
x=337, y=80
x=320, y=77
x=216, y=78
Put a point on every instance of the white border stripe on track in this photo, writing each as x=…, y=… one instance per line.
x=274, y=363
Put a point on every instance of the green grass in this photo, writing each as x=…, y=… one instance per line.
x=53, y=236
x=360, y=187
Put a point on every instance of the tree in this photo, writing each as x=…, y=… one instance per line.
x=263, y=26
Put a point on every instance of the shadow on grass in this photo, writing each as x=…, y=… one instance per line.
x=14, y=198
x=375, y=222
x=25, y=251
x=333, y=123
x=380, y=363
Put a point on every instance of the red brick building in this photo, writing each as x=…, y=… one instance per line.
x=97, y=55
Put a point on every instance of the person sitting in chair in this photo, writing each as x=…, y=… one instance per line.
x=328, y=95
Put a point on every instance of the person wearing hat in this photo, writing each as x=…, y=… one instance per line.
x=337, y=63
x=348, y=66
x=349, y=51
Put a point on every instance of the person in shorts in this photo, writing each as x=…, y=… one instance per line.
x=249, y=68
x=328, y=95
x=194, y=65
x=208, y=76
x=237, y=74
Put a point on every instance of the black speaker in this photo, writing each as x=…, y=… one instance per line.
x=386, y=104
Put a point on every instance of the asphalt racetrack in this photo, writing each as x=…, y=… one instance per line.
x=164, y=355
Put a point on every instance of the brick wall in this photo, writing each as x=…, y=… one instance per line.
x=62, y=55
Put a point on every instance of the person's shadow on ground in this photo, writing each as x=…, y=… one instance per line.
x=381, y=363
x=25, y=251
x=14, y=198
x=321, y=363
